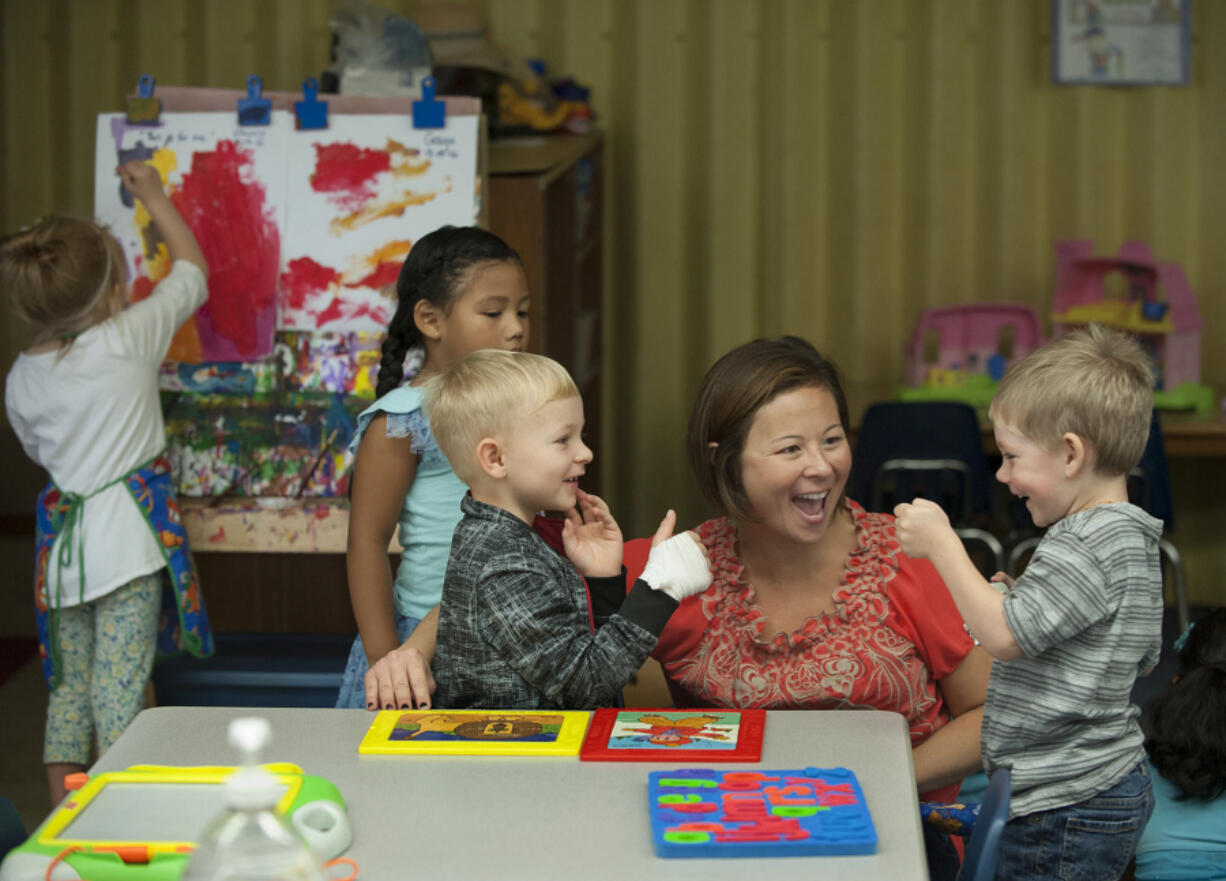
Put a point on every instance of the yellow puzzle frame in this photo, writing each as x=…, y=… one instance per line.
x=476, y=733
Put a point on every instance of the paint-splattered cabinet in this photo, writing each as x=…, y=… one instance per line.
x=545, y=201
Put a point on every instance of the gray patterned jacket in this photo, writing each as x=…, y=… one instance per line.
x=514, y=630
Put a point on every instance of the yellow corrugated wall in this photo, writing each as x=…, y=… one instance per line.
x=820, y=167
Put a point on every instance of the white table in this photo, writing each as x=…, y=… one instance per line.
x=531, y=819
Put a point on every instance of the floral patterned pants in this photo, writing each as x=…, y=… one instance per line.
x=107, y=647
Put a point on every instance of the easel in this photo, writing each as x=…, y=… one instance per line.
x=292, y=525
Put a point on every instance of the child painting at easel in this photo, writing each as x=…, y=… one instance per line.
x=460, y=289
x=83, y=400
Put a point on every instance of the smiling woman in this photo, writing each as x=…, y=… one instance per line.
x=812, y=604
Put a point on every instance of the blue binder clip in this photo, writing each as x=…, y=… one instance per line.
x=429, y=113
x=144, y=109
x=254, y=110
x=310, y=111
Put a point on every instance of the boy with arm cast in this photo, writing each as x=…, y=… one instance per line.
x=1070, y=636
x=514, y=629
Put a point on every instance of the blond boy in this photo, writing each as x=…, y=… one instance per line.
x=514, y=629
x=1072, y=633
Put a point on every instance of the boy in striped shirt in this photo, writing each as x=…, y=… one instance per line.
x=1071, y=635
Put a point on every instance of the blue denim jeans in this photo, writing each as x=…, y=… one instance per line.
x=1090, y=841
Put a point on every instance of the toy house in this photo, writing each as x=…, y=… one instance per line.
x=960, y=352
x=1156, y=305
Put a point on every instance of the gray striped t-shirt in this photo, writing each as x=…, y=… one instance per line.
x=1087, y=614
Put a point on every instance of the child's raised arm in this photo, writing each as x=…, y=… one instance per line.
x=144, y=182
x=923, y=530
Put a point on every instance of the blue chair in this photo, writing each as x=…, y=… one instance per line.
x=927, y=449
x=979, y=864
x=1149, y=487
x=12, y=830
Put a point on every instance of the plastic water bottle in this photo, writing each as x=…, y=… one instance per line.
x=250, y=841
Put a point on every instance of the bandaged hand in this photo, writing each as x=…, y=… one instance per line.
x=678, y=567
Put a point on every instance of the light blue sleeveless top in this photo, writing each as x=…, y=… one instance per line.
x=431, y=509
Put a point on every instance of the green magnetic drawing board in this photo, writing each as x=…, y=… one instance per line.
x=142, y=823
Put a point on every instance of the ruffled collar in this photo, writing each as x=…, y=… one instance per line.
x=858, y=597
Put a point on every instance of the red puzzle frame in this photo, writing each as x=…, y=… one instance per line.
x=750, y=728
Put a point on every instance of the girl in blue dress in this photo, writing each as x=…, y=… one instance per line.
x=460, y=289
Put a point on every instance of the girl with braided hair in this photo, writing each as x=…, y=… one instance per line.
x=460, y=289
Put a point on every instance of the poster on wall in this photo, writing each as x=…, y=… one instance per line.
x=361, y=192
x=226, y=182
x=1120, y=42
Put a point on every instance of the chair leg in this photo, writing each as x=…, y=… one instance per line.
x=991, y=542
x=1179, y=578
x=1017, y=551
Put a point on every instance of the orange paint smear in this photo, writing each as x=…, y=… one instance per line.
x=372, y=213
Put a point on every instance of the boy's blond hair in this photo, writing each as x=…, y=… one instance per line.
x=1095, y=383
x=487, y=393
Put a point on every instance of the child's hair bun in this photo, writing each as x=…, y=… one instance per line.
x=56, y=271
x=32, y=251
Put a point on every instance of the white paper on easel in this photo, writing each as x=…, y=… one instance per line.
x=361, y=193
x=227, y=183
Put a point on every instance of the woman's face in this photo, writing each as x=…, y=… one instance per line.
x=795, y=463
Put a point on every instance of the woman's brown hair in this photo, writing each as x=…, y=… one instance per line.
x=732, y=392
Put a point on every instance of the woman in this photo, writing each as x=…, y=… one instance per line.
x=812, y=604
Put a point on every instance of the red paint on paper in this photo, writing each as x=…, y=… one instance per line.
x=384, y=274
x=346, y=173
x=377, y=314
x=224, y=205
x=304, y=277
x=142, y=287
x=333, y=312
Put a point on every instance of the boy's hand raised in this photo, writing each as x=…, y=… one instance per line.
x=678, y=566
x=922, y=528
x=591, y=537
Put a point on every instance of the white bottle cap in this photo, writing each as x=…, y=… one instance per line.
x=251, y=786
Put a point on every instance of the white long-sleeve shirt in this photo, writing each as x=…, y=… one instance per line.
x=92, y=416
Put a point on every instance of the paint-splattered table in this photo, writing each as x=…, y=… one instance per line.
x=244, y=525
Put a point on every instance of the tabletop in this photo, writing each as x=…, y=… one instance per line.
x=467, y=817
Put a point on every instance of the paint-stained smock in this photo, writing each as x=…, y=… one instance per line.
x=93, y=415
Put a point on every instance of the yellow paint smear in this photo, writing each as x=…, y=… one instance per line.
x=165, y=161
x=374, y=212
x=411, y=170
x=395, y=148
x=392, y=251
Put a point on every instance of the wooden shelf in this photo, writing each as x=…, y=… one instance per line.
x=545, y=201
